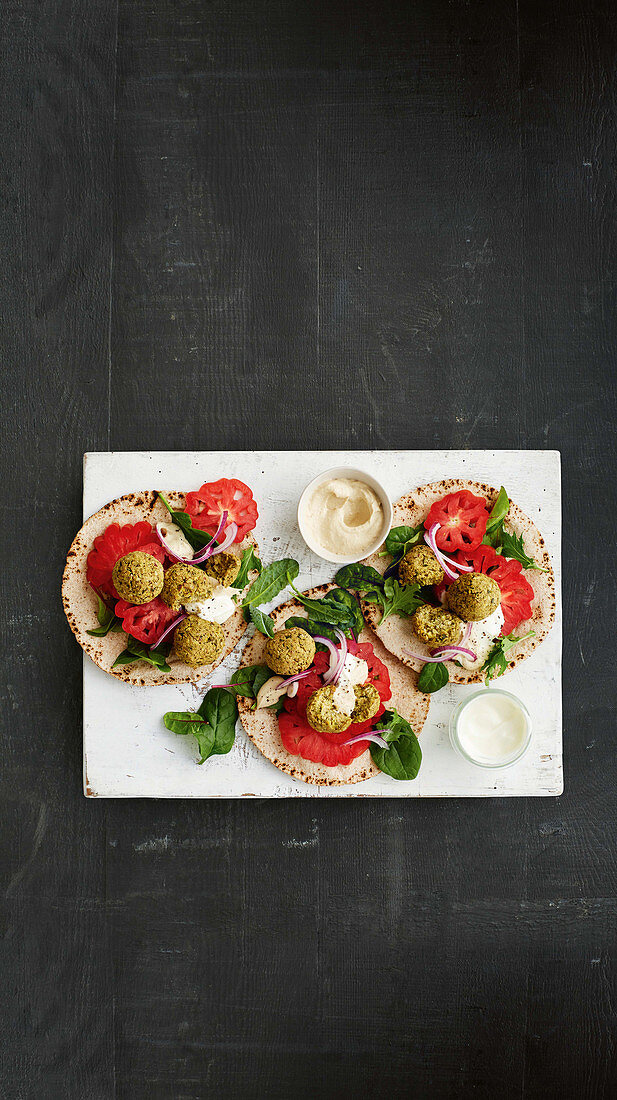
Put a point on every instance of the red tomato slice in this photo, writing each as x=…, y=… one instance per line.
x=114, y=543
x=207, y=505
x=516, y=591
x=300, y=739
x=462, y=518
x=145, y=621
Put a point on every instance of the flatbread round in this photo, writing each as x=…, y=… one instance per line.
x=411, y=510
x=80, y=602
x=263, y=728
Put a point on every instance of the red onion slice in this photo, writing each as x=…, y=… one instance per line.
x=230, y=536
x=172, y=626
x=442, y=650
x=208, y=550
x=466, y=633
x=418, y=657
x=294, y=679
x=292, y=690
x=372, y=735
x=429, y=538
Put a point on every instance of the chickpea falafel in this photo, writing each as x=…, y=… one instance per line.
x=198, y=642
x=473, y=597
x=289, y=651
x=368, y=702
x=323, y=714
x=223, y=568
x=435, y=626
x=185, y=584
x=138, y=577
x=420, y=566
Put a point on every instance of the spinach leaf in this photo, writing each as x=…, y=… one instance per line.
x=498, y=512
x=249, y=561
x=271, y=581
x=359, y=577
x=137, y=651
x=220, y=710
x=248, y=680
x=512, y=547
x=326, y=610
x=262, y=621
x=341, y=595
x=312, y=627
x=183, y=721
x=496, y=663
x=433, y=677
x=106, y=618
x=198, y=539
x=401, y=539
x=403, y=756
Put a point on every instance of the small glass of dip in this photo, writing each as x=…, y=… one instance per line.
x=491, y=728
x=344, y=514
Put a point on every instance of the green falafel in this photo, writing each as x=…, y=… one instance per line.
x=223, y=568
x=289, y=651
x=186, y=584
x=473, y=597
x=323, y=714
x=198, y=642
x=436, y=627
x=368, y=702
x=420, y=566
x=138, y=577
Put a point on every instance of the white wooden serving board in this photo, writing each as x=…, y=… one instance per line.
x=128, y=753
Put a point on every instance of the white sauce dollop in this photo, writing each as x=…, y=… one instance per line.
x=355, y=671
x=218, y=608
x=176, y=540
x=481, y=639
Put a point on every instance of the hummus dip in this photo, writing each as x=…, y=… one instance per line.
x=344, y=516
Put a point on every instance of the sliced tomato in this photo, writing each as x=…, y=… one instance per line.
x=114, y=543
x=462, y=518
x=145, y=621
x=516, y=591
x=207, y=505
x=300, y=739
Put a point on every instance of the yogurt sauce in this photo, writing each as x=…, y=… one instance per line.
x=481, y=639
x=218, y=608
x=176, y=540
x=355, y=671
x=344, y=516
x=492, y=728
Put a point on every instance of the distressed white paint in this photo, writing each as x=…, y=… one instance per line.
x=128, y=752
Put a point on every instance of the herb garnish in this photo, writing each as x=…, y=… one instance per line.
x=271, y=581
x=496, y=663
x=248, y=563
x=504, y=542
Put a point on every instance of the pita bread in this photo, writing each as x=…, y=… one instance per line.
x=411, y=510
x=80, y=602
x=262, y=725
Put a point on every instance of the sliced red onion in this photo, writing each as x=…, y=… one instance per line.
x=429, y=538
x=328, y=644
x=443, y=649
x=172, y=626
x=292, y=690
x=466, y=633
x=417, y=657
x=293, y=679
x=336, y=675
x=230, y=536
x=209, y=549
x=372, y=735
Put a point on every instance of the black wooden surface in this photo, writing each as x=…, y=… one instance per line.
x=278, y=223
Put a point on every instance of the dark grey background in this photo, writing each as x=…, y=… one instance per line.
x=277, y=223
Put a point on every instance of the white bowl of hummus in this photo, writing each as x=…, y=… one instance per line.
x=344, y=514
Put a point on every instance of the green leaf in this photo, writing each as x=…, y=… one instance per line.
x=198, y=539
x=248, y=563
x=400, y=599
x=182, y=721
x=271, y=581
x=512, y=547
x=401, y=539
x=312, y=627
x=433, y=677
x=220, y=710
x=326, y=610
x=403, y=757
x=359, y=577
x=106, y=618
x=262, y=621
x=342, y=596
x=499, y=511
x=496, y=663
x=137, y=651
x=246, y=681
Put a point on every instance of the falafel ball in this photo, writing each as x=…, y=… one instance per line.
x=368, y=702
x=138, y=577
x=323, y=714
x=435, y=626
x=186, y=584
x=473, y=596
x=223, y=568
x=198, y=642
x=289, y=651
x=420, y=566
